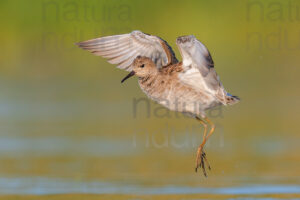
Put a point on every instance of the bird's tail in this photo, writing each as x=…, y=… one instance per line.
x=231, y=99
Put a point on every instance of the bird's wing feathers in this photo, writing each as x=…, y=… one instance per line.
x=123, y=49
x=195, y=53
x=198, y=66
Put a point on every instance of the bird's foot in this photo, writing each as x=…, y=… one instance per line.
x=201, y=160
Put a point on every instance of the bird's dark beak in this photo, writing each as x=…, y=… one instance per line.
x=128, y=76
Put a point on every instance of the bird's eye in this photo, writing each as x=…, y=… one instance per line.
x=142, y=66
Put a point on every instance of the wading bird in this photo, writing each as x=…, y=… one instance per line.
x=191, y=86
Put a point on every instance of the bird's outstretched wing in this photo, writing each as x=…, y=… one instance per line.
x=123, y=49
x=198, y=66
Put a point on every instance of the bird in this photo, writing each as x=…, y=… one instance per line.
x=190, y=86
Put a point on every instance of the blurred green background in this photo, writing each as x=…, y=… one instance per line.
x=64, y=113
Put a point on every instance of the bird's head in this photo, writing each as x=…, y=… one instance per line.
x=142, y=67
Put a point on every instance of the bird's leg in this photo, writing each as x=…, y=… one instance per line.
x=200, y=152
x=212, y=129
x=201, y=159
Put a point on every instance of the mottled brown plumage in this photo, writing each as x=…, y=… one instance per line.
x=165, y=87
x=191, y=86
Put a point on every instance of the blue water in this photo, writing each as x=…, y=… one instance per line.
x=41, y=186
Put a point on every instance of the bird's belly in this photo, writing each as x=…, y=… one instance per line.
x=178, y=97
x=195, y=107
x=191, y=102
